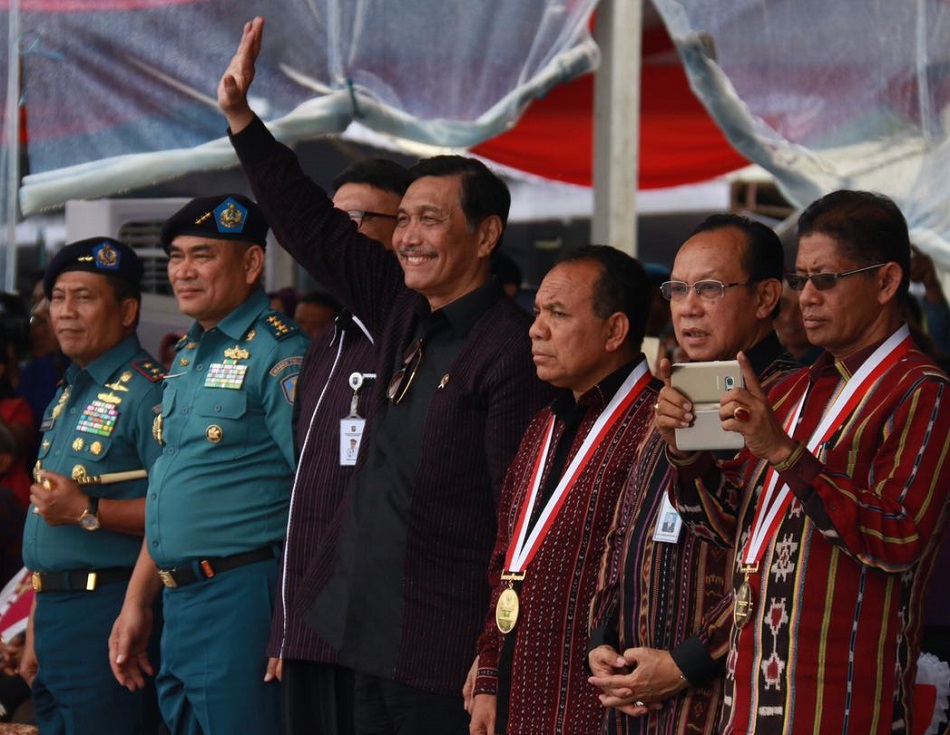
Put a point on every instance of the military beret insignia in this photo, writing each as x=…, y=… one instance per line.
x=106, y=256
x=230, y=215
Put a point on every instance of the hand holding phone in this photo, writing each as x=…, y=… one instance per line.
x=703, y=383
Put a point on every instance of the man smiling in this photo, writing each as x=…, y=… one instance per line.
x=401, y=599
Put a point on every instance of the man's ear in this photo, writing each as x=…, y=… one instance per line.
x=618, y=327
x=889, y=277
x=253, y=264
x=768, y=294
x=489, y=235
x=130, y=312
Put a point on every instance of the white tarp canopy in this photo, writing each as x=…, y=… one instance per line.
x=121, y=93
x=829, y=95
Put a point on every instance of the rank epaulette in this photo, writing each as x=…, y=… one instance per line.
x=280, y=326
x=149, y=368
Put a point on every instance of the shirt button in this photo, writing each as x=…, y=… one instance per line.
x=217, y=409
x=155, y=542
x=199, y=366
x=154, y=496
x=184, y=409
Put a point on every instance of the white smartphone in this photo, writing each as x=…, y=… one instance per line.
x=703, y=383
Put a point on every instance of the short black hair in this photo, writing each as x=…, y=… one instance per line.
x=483, y=192
x=380, y=173
x=764, y=256
x=623, y=286
x=868, y=227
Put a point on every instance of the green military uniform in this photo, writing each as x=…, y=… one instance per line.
x=220, y=491
x=99, y=422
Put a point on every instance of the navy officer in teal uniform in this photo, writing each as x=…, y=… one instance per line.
x=83, y=533
x=218, y=496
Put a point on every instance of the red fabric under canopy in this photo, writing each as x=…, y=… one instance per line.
x=679, y=142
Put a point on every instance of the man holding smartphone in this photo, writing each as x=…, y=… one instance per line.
x=834, y=509
x=654, y=639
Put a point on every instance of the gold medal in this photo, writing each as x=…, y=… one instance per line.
x=744, y=602
x=506, y=611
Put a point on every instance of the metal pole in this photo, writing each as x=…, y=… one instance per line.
x=617, y=124
x=9, y=166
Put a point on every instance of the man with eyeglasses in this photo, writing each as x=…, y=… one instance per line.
x=402, y=594
x=330, y=410
x=658, y=613
x=835, y=507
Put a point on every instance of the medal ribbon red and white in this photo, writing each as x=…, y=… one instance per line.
x=525, y=545
x=773, y=504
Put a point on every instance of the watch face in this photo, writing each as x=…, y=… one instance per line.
x=89, y=522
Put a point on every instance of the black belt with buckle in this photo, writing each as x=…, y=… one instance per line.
x=207, y=568
x=86, y=580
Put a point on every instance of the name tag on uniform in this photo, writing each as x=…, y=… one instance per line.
x=668, y=523
x=351, y=434
x=224, y=375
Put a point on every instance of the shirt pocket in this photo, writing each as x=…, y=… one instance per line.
x=90, y=454
x=223, y=417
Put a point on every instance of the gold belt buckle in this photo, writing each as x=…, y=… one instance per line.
x=91, y=580
x=167, y=579
x=36, y=581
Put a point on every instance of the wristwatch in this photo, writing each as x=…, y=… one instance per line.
x=89, y=519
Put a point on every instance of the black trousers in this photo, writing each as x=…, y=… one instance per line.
x=317, y=698
x=385, y=707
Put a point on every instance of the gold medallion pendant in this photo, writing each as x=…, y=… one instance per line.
x=506, y=611
x=742, y=609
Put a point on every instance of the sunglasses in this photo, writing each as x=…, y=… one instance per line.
x=824, y=281
x=402, y=379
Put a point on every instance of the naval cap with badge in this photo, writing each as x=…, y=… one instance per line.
x=221, y=217
x=101, y=255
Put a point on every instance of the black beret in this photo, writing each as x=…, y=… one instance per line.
x=101, y=255
x=221, y=217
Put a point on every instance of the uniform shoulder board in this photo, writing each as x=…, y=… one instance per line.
x=149, y=368
x=279, y=325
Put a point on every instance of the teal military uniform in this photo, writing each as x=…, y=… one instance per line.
x=99, y=422
x=221, y=488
